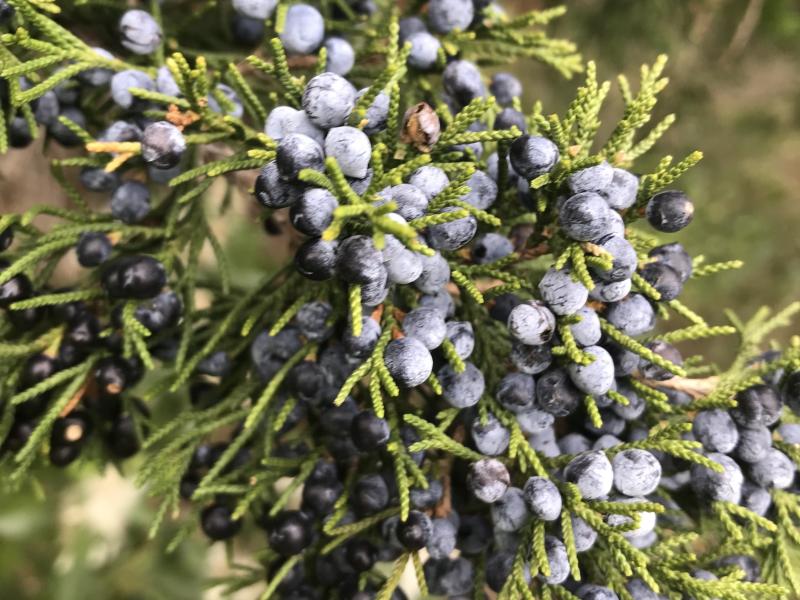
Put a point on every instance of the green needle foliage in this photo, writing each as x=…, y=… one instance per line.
x=191, y=385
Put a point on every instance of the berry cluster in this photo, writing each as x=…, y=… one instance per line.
x=460, y=369
x=104, y=405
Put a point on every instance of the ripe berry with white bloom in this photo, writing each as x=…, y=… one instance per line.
x=510, y=513
x=754, y=444
x=562, y=294
x=556, y=394
x=435, y=274
x=340, y=55
x=647, y=519
x=283, y=120
x=584, y=217
x=359, y=261
x=633, y=315
x=274, y=192
x=676, y=257
x=424, y=50
x=130, y=202
x=542, y=498
x=597, y=377
x=482, y=191
x=452, y=235
x=621, y=192
x=775, y=470
x=140, y=32
x=488, y=480
x=491, y=437
x=716, y=430
x=592, y=473
x=328, y=99
x=163, y=145
x=636, y=472
x=316, y=259
x=312, y=213
x=255, y=9
x=124, y=81
x=505, y=87
x=516, y=392
x=711, y=485
x=531, y=323
x=402, y=265
x=531, y=359
x=409, y=361
x=297, y=152
x=464, y=389
x=462, y=337
x=427, y=325
x=532, y=156
x=430, y=180
x=462, y=82
x=445, y=16
x=303, y=29
x=586, y=331
x=611, y=292
x=624, y=259
x=557, y=560
x=591, y=179
x=664, y=279
x=351, y=148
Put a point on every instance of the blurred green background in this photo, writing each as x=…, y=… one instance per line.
x=735, y=85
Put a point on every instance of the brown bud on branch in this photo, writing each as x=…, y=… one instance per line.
x=421, y=127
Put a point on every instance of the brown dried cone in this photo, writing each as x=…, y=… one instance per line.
x=421, y=127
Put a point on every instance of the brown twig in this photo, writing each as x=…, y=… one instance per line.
x=445, y=505
x=536, y=251
x=481, y=284
x=76, y=397
x=696, y=388
x=377, y=313
x=302, y=62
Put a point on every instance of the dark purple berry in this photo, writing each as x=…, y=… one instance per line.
x=218, y=523
x=289, y=533
x=670, y=211
x=369, y=432
x=135, y=277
